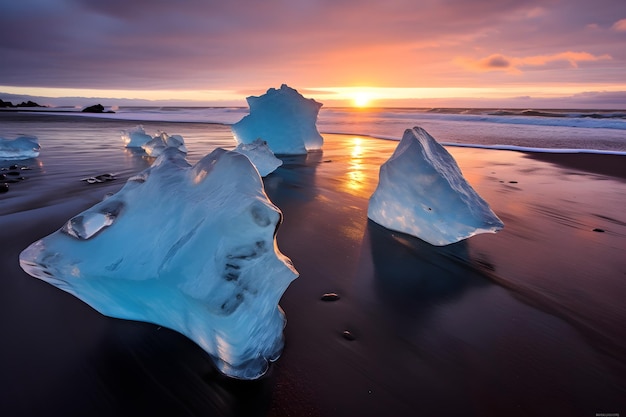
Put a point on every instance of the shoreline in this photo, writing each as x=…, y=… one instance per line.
x=484, y=327
x=114, y=118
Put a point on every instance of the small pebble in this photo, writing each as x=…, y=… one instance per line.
x=106, y=177
x=348, y=335
x=13, y=173
x=99, y=178
x=512, y=182
x=4, y=188
x=330, y=296
x=599, y=230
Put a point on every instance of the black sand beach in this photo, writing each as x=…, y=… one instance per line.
x=526, y=322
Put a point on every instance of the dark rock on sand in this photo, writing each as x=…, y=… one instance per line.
x=348, y=335
x=599, y=230
x=330, y=296
x=11, y=175
x=99, y=178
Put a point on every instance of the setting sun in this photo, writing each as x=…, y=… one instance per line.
x=361, y=99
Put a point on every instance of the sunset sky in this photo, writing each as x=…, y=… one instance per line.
x=394, y=52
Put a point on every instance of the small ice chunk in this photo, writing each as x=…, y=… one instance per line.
x=152, y=146
x=22, y=147
x=162, y=140
x=175, y=141
x=260, y=155
x=284, y=119
x=136, y=137
x=422, y=192
x=188, y=248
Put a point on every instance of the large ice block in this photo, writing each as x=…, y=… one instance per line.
x=422, y=192
x=284, y=119
x=189, y=248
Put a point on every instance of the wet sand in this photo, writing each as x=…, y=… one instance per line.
x=526, y=322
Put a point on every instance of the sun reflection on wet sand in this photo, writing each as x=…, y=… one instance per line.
x=355, y=162
x=355, y=175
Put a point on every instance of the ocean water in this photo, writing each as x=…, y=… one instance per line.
x=83, y=145
x=539, y=130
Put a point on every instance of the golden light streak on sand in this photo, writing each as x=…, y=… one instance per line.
x=355, y=176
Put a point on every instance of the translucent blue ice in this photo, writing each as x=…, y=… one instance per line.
x=422, y=192
x=260, y=155
x=191, y=248
x=22, y=147
x=136, y=137
x=162, y=140
x=284, y=119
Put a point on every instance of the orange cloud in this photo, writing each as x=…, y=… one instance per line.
x=498, y=62
x=573, y=58
x=620, y=25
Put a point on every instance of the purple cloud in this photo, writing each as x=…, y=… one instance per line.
x=161, y=44
x=497, y=61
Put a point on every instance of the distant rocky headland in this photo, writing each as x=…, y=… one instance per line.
x=32, y=106
x=8, y=104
